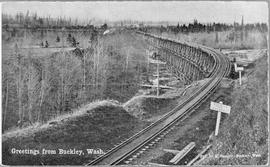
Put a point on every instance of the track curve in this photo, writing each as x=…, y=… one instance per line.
x=126, y=149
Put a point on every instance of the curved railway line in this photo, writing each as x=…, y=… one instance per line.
x=144, y=139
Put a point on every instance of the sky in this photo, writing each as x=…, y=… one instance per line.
x=171, y=11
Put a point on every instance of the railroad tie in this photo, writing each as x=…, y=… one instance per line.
x=162, y=135
x=141, y=152
x=151, y=144
x=166, y=132
x=138, y=153
x=134, y=156
x=126, y=162
x=157, y=139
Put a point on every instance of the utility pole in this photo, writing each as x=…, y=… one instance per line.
x=157, y=78
x=242, y=29
x=240, y=78
x=148, y=60
x=216, y=35
x=63, y=38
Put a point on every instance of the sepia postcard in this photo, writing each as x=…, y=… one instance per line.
x=160, y=83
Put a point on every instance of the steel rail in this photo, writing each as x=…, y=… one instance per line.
x=217, y=74
x=188, y=111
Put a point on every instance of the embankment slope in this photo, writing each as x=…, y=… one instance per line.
x=96, y=125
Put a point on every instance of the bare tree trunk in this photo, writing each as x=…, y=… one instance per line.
x=6, y=106
x=40, y=106
x=84, y=78
x=62, y=92
x=20, y=97
x=97, y=68
x=19, y=85
x=42, y=89
x=94, y=70
x=125, y=72
x=29, y=91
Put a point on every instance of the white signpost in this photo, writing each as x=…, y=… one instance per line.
x=239, y=69
x=219, y=107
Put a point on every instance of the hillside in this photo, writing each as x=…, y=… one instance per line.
x=98, y=125
x=243, y=135
x=149, y=107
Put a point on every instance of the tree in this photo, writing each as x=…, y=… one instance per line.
x=19, y=59
x=44, y=87
x=6, y=97
x=57, y=39
x=74, y=42
x=104, y=26
x=242, y=30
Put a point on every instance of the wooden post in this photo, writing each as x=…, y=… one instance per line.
x=148, y=62
x=63, y=38
x=158, y=79
x=6, y=106
x=240, y=78
x=219, y=107
x=218, y=121
x=181, y=154
x=239, y=69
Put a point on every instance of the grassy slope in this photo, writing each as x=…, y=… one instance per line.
x=90, y=127
x=245, y=132
x=151, y=107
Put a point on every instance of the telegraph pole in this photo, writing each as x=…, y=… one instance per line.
x=157, y=78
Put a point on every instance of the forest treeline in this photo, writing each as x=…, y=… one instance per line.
x=34, y=21
x=207, y=27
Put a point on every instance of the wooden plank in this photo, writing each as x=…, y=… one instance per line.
x=188, y=87
x=171, y=151
x=199, y=155
x=220, y=107
x=154, y=86
x=239, y=69
x=182, y=153
x=162, y=78
x=198, y=162
x=183, y=94
x=156, y=164
x=156, y=61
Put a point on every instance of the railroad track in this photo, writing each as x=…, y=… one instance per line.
x=134, y=146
